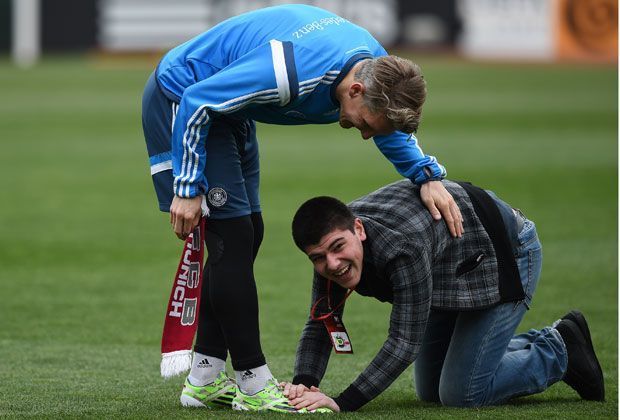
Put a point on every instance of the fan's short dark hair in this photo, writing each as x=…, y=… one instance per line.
x=319, y=216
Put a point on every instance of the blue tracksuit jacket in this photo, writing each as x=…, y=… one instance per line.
x=277, y=65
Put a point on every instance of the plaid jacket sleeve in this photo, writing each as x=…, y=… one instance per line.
x=410, y=275
x=314, y=346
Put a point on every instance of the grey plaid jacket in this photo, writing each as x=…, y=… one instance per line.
x=411, y=261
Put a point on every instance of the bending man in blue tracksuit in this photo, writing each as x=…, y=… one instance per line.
x=292, y=64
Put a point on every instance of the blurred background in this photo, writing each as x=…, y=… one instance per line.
x=542, y=30
x=522, y=100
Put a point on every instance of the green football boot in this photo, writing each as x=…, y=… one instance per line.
x=218, y=393
x=269, y=398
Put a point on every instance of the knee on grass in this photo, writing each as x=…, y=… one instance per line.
x=456, y=395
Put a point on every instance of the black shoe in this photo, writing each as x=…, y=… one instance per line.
x=578, y=318
x=584, y=372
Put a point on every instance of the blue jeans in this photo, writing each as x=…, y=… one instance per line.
x=473, y=359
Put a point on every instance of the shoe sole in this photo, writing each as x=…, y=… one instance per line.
x=579, y=320
x=187, y=401
x=239, y=407
x=585, y=333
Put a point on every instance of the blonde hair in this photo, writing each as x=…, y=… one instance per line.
x=394, y=86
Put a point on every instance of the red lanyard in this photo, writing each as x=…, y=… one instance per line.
x=329, y=304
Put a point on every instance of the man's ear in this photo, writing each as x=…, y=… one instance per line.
x=356, y=89
x=358, y=226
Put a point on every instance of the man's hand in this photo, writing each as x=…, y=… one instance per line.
x=292, y=391
x=313, y=399
x=185, y=215
x=440, y=203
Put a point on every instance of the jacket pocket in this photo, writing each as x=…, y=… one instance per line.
x=470, y=263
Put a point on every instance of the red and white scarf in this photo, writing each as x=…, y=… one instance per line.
x=182, y=311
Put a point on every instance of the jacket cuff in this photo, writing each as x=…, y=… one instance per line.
x=306, y=380
x=350, y=399
x=431, y=172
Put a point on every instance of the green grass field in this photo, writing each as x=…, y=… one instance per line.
x=86, y=259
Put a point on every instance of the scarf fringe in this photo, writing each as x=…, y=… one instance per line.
x=175, y=363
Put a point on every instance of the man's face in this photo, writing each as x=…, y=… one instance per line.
x=339, y=255
x=354, y=113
